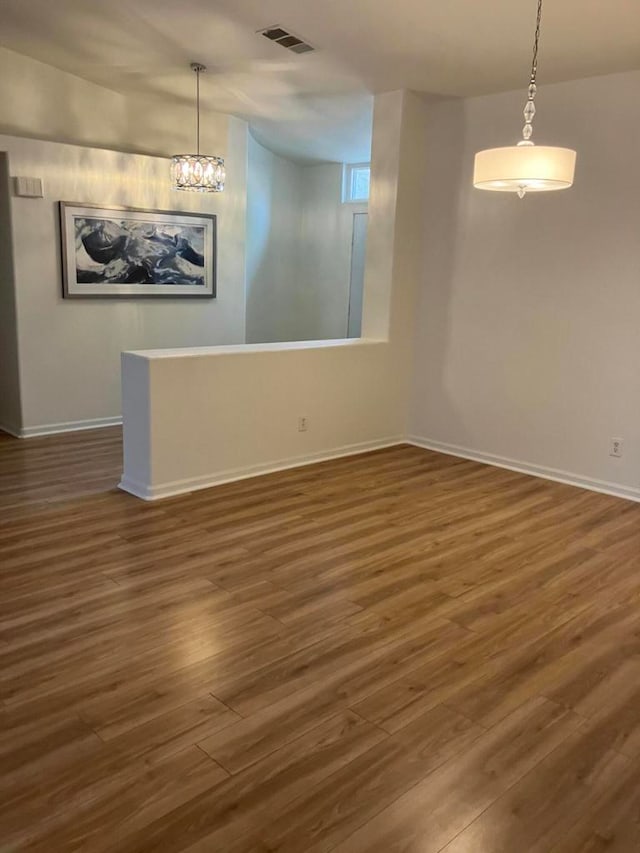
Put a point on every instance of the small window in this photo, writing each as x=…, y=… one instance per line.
x=357, y=178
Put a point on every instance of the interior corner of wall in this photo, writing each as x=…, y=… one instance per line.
x=12, y=410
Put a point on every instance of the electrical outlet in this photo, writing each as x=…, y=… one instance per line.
x=303, y=424
x=615, y=448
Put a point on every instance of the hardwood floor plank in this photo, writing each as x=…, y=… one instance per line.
x=403, y=700
x=217, y=819
x=613, y=826
x=331, y=662
x=568, y=783
x=27, y=746
x=436, y=809
x=185, y=726
x=529, y=671
x=331, y=811
x=282, y=720
x=139, y=799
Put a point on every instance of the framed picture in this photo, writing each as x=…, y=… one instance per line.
x=129, y=252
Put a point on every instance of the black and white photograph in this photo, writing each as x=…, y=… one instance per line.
x=127, y=252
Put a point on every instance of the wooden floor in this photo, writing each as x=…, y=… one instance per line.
x=400, y=651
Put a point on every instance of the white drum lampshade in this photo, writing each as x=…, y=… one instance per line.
x=524, y=169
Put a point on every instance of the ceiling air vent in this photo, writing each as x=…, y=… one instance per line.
x=286, y=39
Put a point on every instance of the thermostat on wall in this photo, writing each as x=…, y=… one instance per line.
x=28, y=187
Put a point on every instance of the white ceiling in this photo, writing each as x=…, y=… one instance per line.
x=305, y=105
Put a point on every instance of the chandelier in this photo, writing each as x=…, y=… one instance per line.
x=526, y=167
x=200, y=173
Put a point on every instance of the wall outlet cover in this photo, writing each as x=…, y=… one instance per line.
x=615, y=448
x=28, y=187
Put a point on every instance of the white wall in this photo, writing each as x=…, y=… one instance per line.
x=298, y=249
x=275, y=307
x=43, y=102
x=327, y=232
x=240, y=406
x=69, y=350
x=528, y=329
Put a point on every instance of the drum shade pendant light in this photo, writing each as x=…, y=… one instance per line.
x=199, y=173
x=526, y=167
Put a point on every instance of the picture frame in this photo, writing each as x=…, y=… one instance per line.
x=133, y=253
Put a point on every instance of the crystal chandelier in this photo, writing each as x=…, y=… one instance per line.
x=198, y=172
x=526, y=167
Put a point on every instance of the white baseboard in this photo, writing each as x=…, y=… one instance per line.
x=181, y=487
x=567, y=477
x=11, y=430
x=68, y=426
x=138, y=490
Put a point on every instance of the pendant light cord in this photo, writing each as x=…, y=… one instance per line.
x=198, y=110
x=197, y=67
x=536, y=44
